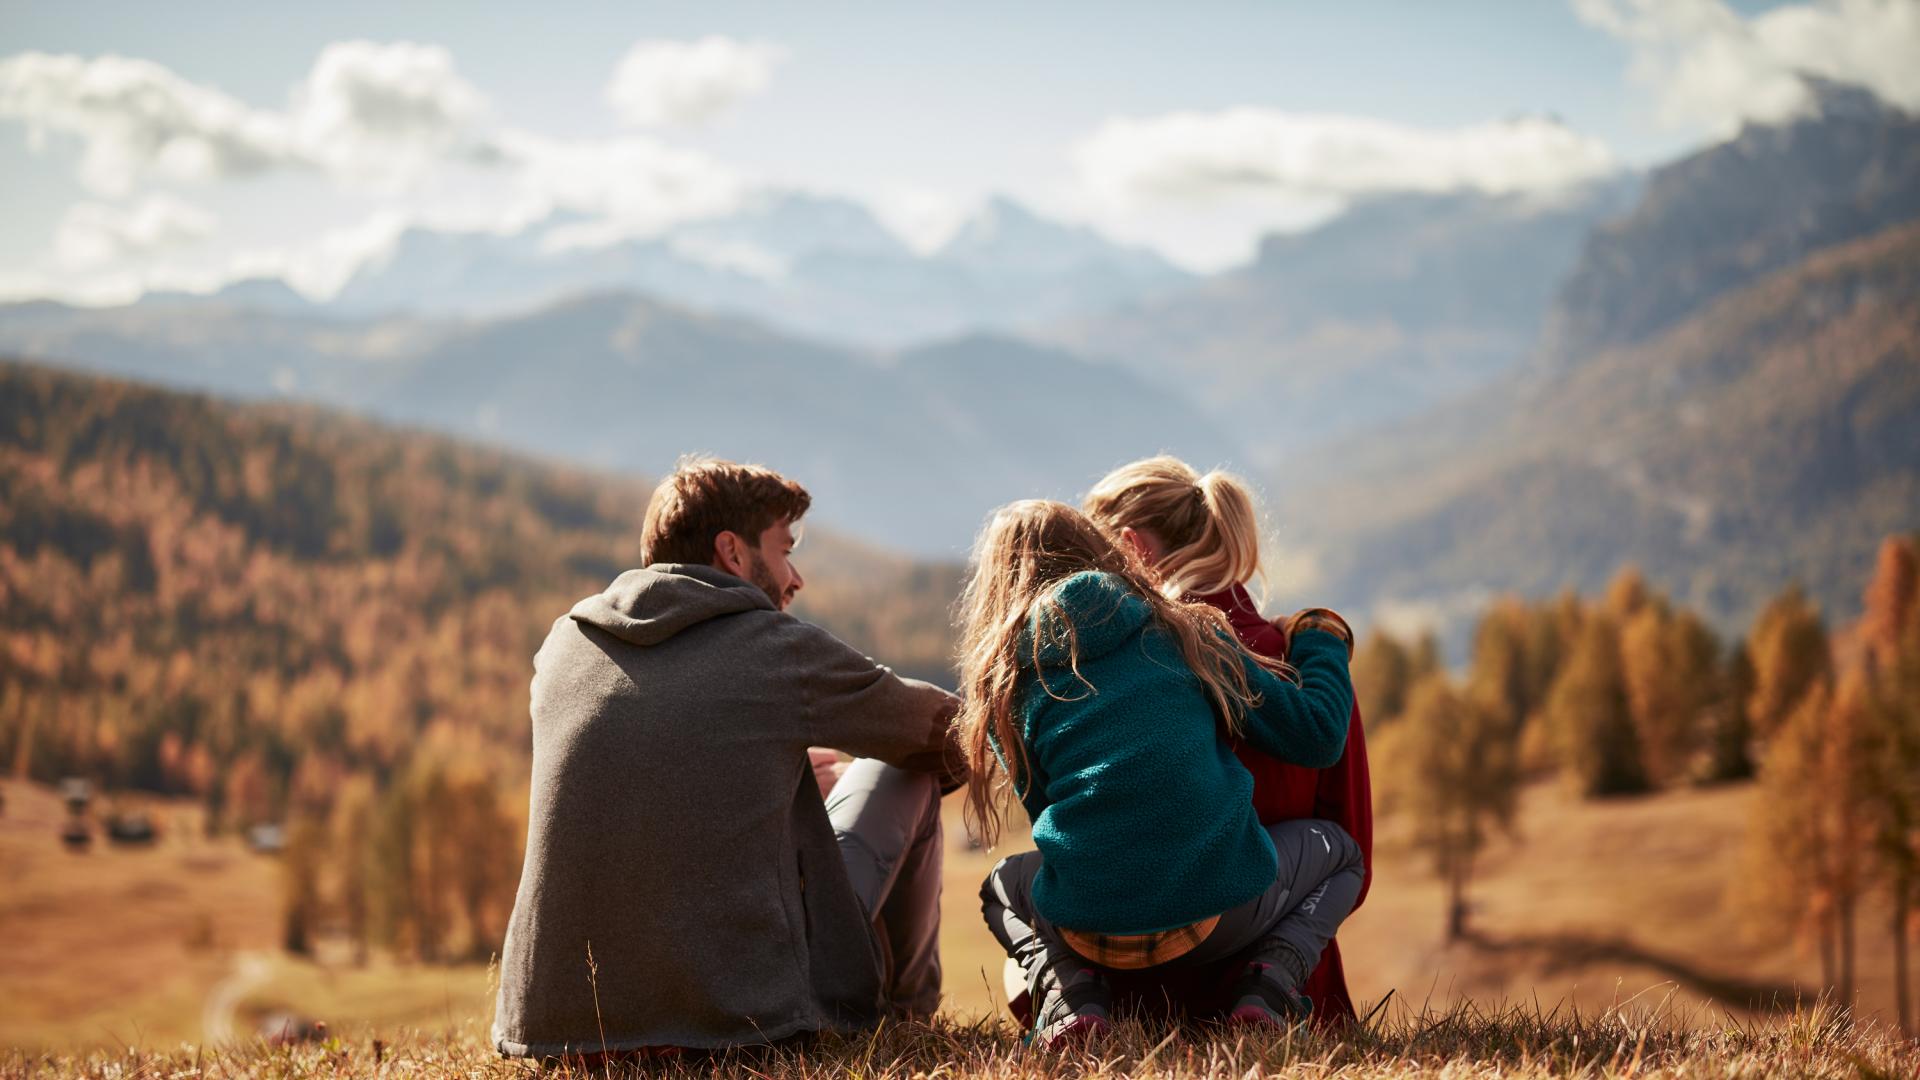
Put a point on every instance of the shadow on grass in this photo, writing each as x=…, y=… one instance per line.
x=1561, y=952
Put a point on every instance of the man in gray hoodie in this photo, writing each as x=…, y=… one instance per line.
x=684, y=884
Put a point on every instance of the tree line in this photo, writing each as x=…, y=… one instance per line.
x=1629, y=693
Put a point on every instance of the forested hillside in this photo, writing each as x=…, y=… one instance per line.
x=1772, y=437
x=274, y=607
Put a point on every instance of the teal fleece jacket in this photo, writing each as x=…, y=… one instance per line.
x=1142, y=814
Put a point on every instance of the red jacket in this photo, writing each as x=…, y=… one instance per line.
x=1342, y=794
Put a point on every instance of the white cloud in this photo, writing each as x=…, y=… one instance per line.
x=924, y=219
x=320, y=267
x=93, y=235
x=135, y=116
x=1712, y=70
x=381, y=119
x=1203, y=156
x=687, y=83
x=366, y=113
x=383, y=113
x=1201, y=187
x=634, y=185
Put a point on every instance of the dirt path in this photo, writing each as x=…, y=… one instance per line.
x=250, y=971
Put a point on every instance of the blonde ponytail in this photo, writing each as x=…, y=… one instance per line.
x=1228, y=552
x=1207, y=524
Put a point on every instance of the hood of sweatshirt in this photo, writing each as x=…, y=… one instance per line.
x=1103, y=610
x=650, y=605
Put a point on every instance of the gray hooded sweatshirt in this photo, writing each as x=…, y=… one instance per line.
x=676, y=834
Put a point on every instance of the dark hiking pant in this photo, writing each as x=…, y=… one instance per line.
x=1288, y=925
x=888, y=823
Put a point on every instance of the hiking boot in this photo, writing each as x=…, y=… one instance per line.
x=1263, y=998
x=1074, y=1009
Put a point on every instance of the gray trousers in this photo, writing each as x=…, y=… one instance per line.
x=1288, y=925
x=888, y=823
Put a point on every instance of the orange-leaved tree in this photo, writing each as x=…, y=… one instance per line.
x=1453, y=770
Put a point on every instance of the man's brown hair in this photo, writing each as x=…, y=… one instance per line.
x=704, y=497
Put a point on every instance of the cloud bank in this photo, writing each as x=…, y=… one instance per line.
x=93, y=234
x=1712, y=70
x=661, y=83
x=635, y=185
x=135, y=117
x=367, y=113
x=1199, y=156
x=378, y=121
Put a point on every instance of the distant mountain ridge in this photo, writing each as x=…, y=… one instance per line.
x=909, y=450
x=813, y=265
x=1398, y=305
x=1772, y=437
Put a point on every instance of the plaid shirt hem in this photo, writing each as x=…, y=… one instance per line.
x=1127, y=952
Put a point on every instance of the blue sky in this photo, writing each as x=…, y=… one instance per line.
x=1120, y=116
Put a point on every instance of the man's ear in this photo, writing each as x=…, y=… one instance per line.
x=730, y=553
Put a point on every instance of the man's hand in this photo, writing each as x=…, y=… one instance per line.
x=827, y=768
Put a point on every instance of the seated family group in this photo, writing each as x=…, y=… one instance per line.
x=1194, y=773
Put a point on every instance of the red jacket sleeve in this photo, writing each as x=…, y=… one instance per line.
x=1344, y=796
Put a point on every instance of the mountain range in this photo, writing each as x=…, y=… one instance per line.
x=1401, y=303
x=1729, y=398
x=812, y=265
x=910, y=449
x=1707, y=370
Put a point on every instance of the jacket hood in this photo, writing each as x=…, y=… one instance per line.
x=650, y=605
x=1103, y=609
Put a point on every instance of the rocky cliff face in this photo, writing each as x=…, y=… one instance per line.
x=1731, y=214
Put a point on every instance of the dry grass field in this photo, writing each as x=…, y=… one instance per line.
x=1462, y=1043
x=1592, y=903
x=150, y=946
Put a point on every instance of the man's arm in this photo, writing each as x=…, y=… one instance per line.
x=858, y=706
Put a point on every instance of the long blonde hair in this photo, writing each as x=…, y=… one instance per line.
x=1026, y=550
x=1208, y=523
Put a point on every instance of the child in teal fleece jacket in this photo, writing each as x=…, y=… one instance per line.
x=1104, y=705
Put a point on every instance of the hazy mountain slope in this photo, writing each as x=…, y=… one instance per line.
x=1735, y=212
x=1774, y=436
x=212, y=344
x=1390, y=309
x=910, y=451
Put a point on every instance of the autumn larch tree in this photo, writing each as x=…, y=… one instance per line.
x=1790, y=654
x=1455, y=774
x=1588, y=713
x=1670, y=662
x=1889, y=636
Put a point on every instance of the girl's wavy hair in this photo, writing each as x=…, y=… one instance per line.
x=1026, y=550
x=1207, y=523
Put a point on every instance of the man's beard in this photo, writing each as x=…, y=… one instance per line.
x=758, y=574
